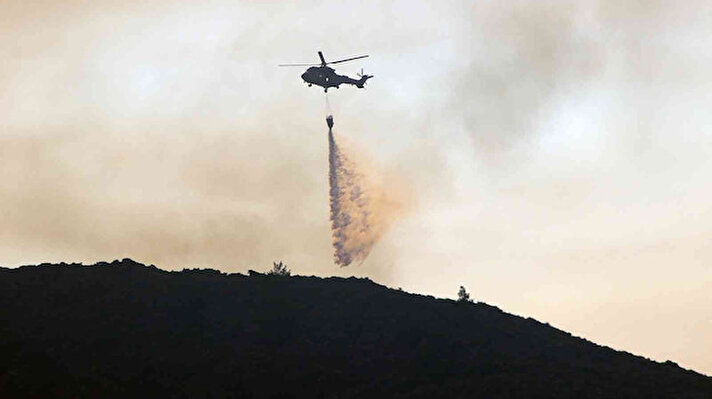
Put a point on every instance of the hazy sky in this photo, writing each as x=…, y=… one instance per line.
x=556, y=153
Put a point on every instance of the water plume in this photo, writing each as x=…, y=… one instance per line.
x=361, y=211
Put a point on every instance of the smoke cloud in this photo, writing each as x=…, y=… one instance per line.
x=360, y=210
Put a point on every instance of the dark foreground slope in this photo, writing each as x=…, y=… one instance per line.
x=127, y=330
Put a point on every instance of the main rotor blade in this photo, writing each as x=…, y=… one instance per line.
x=348, y=59
x=283, y=65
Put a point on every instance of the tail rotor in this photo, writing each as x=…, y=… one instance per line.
x=363, y=78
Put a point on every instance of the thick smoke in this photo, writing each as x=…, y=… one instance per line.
x=360, y=210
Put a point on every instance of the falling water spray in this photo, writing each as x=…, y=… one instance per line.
x=360, y=210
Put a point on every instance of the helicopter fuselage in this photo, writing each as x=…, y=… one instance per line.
x=326, y=77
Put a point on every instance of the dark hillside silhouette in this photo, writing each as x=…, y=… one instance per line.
x=122, y=329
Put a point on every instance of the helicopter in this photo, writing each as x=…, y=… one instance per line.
x=326, y=77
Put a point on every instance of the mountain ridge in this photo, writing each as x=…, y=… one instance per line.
x=124, y=328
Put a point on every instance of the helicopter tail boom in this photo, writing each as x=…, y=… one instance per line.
x=362, y=81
